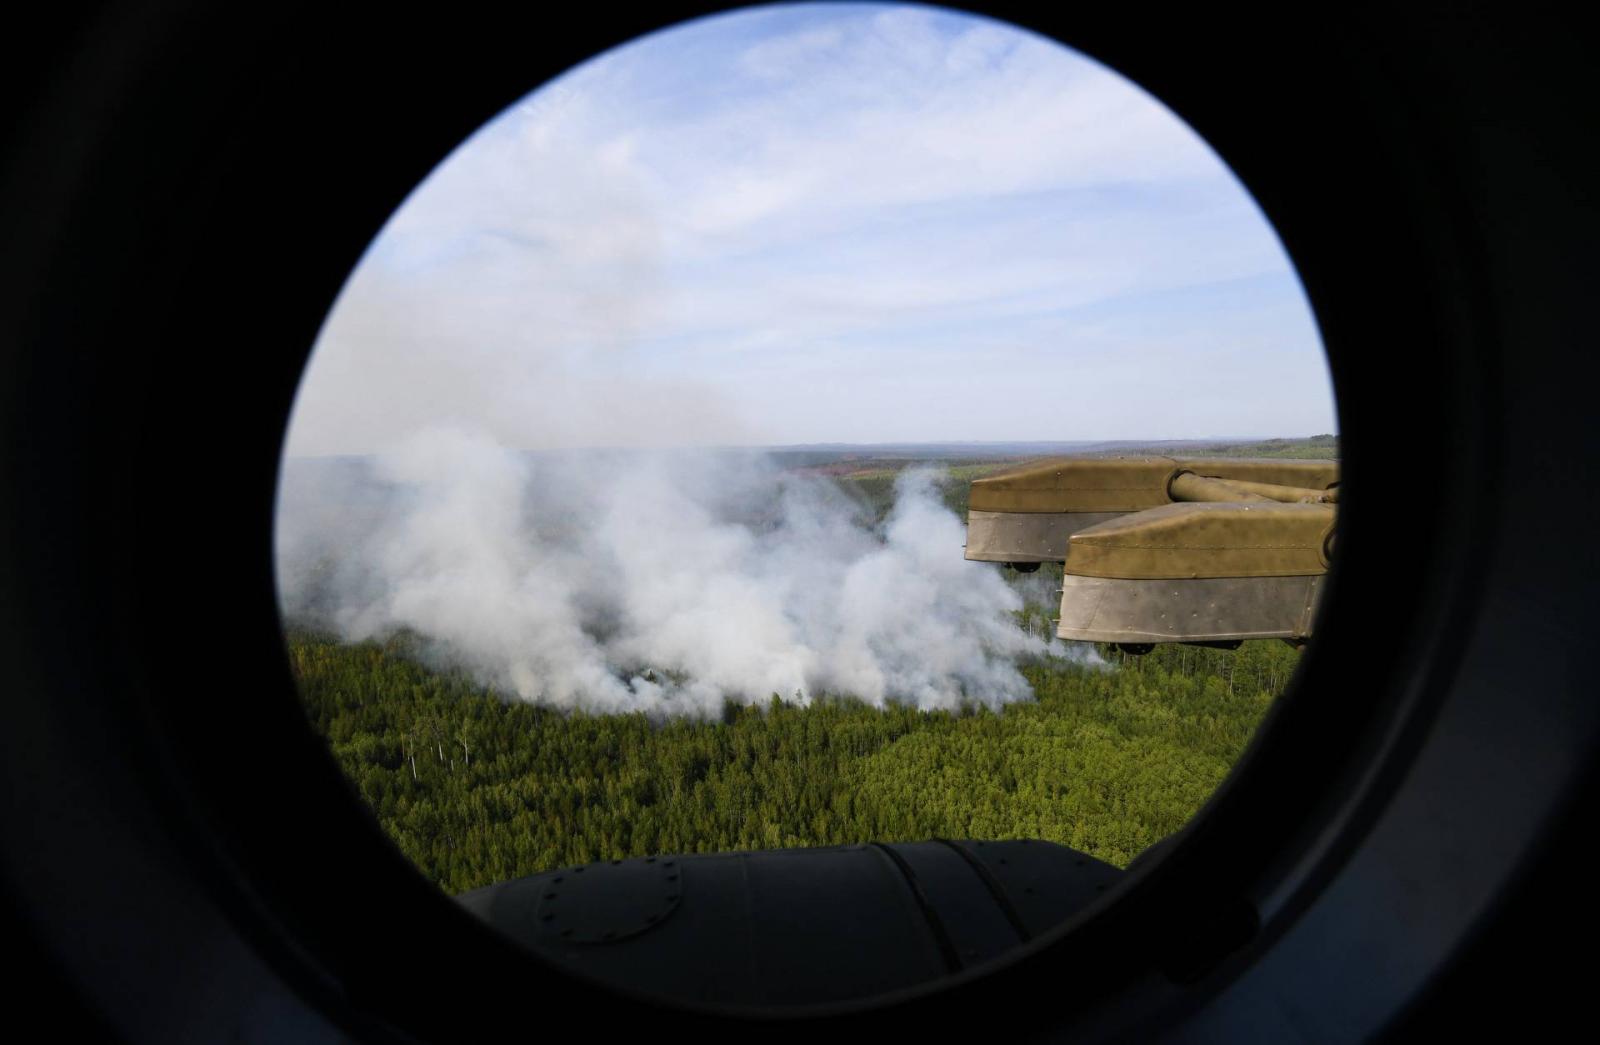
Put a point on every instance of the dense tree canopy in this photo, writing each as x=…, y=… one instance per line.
x=475, y=789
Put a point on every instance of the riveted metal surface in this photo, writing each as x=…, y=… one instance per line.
x=748, y=927
x=1043, y=884
x=850, y=903
x=977, y=926
x=1026, y=536
x=1029, y=513
x=1097, y=609
x=604, y=903
x=600, y=903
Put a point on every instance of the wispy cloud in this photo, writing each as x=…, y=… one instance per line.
x=822, y=222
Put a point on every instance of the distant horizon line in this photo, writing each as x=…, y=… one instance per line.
x=888, y=444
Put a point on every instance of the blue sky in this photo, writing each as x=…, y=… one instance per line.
x=822, y=223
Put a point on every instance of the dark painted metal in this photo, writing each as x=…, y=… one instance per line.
x=980, y=931
x=794, y=927
x=997, y=891
x=1415, y=808
x=952, y=957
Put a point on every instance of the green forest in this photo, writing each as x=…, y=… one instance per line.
x=1114, y=753
x=476, y=789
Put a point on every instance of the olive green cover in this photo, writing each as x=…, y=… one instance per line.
x=1187, y=486
x=1131, y=484
x=1317, y=474
x=1077, y=484
x=1259, y=539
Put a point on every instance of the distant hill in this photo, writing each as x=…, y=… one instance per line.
x=1316, y=446
x=883, y=453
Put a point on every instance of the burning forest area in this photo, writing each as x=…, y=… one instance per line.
x=523, y=660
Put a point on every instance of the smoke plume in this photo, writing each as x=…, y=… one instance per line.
x=660, y=581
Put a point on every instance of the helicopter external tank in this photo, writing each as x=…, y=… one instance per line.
x=1198, y=572
x=1167, y=549
x=1025, y=515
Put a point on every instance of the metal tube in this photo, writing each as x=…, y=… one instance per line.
x=1187, y=486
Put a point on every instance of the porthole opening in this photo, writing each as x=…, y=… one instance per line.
x=626, y=542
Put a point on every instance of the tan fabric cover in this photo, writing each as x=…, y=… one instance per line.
x=1261, y=539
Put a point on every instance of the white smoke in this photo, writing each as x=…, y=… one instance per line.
x=1040, y=590
x=667, y=582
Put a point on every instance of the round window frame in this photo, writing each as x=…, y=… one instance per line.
x=1355, y=750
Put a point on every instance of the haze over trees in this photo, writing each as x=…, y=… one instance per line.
x=1112, y=754
x=475, y=789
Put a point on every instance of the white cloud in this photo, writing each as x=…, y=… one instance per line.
x=688, y=239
